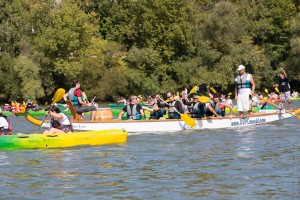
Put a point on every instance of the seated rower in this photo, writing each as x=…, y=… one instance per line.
x=220, y=106
x=134, y=110
x=155, y=111
x=255, y=102
x=60, y=122
x=75, y=95
x=196, y=108
x=174, y=106
x=209, y=109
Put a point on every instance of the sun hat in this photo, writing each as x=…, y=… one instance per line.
x=241, y=67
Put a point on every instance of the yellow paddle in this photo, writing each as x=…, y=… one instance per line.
x=194, y=89
x=203, y=99
x=296, y=112
x=266, y=91
x=57, y=97
x=229, y=93
x=189, y=121
x=276, y=89
x=212, y=90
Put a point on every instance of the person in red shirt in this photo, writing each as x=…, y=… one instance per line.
x=75, y=95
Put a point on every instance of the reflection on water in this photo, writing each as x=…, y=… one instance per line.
x=256, y=162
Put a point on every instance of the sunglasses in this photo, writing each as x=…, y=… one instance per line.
x=169, y=97
x=195, y=98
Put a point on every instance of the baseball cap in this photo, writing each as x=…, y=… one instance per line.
x=241, y=67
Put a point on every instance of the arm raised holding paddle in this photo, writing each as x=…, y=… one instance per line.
x=57, y=97
x=189, y=121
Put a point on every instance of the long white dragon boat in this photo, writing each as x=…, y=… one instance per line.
x=171, y=125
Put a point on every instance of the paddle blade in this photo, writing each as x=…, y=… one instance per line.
x=297, y=111
x=193, y=90
x=189, y=121
x=203, y=99
x=58, y=95
x=212, y=90
x=276, y=89
x=266, y=91
x=229, y=93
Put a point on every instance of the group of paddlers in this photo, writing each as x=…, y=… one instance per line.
x=197, y=105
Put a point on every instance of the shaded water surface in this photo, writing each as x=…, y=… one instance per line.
x=258, y=162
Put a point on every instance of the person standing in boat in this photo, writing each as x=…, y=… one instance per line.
x=284, y=88
x=245, y=87
x=60, y=122
x=173, y=106
x=75, y=95
x=5, y=124
x=134, y=110
x=196, y=108
x=155, y=111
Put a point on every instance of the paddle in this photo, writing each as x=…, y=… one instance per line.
x=57, y=97
x=212, y=90
x=84, y=96
x=276, y=89
x=93, y=99
x=193, y=90
x=189, y=121
x=273, y=104
x=203, y=99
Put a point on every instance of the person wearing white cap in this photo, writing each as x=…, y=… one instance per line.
x=245, y=87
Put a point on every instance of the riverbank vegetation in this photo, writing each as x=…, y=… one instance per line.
x=116, y=48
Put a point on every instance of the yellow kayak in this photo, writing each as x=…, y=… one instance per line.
x=61, y=140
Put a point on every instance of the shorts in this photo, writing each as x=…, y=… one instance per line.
x=243, y=103
x=65, y=128
x=285, y=96
x=82, y=109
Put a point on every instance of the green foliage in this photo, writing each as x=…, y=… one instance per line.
x=145, y=46
x=28, y=76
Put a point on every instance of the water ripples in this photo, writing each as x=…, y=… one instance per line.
x=256, y=162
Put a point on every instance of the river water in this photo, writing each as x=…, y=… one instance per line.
x=257, y=162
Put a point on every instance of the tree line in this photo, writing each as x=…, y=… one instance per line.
x=117, y=48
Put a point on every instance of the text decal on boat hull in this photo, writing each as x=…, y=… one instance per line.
x=246, y=121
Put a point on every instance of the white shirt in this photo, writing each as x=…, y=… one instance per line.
x=255, y=101
x=64, y=120
x=229, y=102
x=3, y=123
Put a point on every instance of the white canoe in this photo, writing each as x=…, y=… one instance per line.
x=178, y=125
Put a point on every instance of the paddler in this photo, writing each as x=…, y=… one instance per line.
x=155, y=111
x=173, y=106
x=134, y=110
x=284, y=88
x=75, y=95
x=196, y=108
x=60, y=122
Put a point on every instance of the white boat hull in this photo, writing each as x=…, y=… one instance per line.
x=170, y=125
